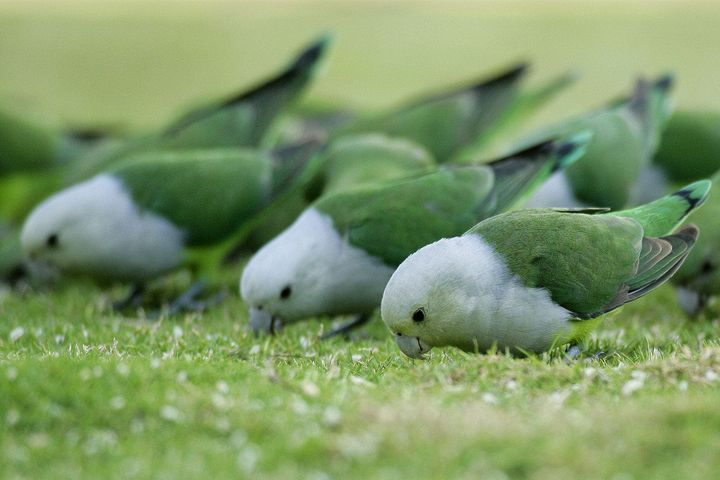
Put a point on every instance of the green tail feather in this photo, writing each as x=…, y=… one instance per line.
x=662, y=216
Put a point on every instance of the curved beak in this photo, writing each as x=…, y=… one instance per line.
x=413, y=347
x=263, y=322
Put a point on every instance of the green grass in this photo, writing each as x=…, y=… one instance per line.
x=85, y=393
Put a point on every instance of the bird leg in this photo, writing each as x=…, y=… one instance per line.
x=348, y=327
x=132, y=299
x=575, y=350
x=188, y=301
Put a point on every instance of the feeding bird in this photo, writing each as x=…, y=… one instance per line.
x=158, y=211
x=338, y=255
x=529, y=280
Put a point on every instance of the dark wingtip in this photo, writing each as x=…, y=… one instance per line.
x=509, y=76
x=694, y=194
x=313, y=52
x=665, y=82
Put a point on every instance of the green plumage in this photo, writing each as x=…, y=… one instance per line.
x=245, y=120
x=394, y=219
x=665, y=214
x=350, y=162
x=624, y=137
x=347, y=163
x=25, y=146
x=447, y=122
x=690, y=147
x=592, y=264
x=208, y=194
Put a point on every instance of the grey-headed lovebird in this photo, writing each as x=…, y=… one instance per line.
x=529, y=280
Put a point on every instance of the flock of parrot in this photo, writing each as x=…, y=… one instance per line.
x=345, y=214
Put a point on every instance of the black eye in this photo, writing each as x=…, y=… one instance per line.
x=418, y=315
x=52, y=241
x=286, y=292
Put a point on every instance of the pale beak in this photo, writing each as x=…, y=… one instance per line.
x=413, y=347
x=263, y=322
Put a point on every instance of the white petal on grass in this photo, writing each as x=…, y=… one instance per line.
x=632, y=386
x=170, y=413
x=16, y=333
x=177, y=332
x=310, y=389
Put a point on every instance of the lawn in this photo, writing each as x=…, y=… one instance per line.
x=86, y=393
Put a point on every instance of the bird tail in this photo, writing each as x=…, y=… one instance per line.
x=272, y=96
x=519, y=174
x=663, y=216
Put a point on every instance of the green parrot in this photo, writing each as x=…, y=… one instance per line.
x=529, y=280
x=158, y=211
x=625, y=136
x=338, y=255
x=460, y=119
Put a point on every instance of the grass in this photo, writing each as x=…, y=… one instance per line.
x=85, y=393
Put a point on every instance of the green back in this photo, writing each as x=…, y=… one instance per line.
x=207, y=193
x=447, y=122
x=24, y=145
x=690, y=147
x=393, y=220
x=582, y=260
x=613, y=160
x=363, y=159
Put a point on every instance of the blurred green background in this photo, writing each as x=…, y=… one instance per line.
x=135, y=63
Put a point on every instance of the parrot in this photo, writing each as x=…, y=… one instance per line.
x=455, y=122
x=530, y=280
x=158, y=211
x=625, y=135
x=336, y=258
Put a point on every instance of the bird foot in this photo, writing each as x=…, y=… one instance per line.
x=188, y=301
x=347, y=328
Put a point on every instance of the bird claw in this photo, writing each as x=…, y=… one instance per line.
x=346, y=328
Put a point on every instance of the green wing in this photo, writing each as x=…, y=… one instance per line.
x=582, y=260
x=245, y=119
x=24, y=145
x=590, y=264
x=690, y=146
x=447, y=122
x=208, y=193
x=659, y=259
x=394, y=219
